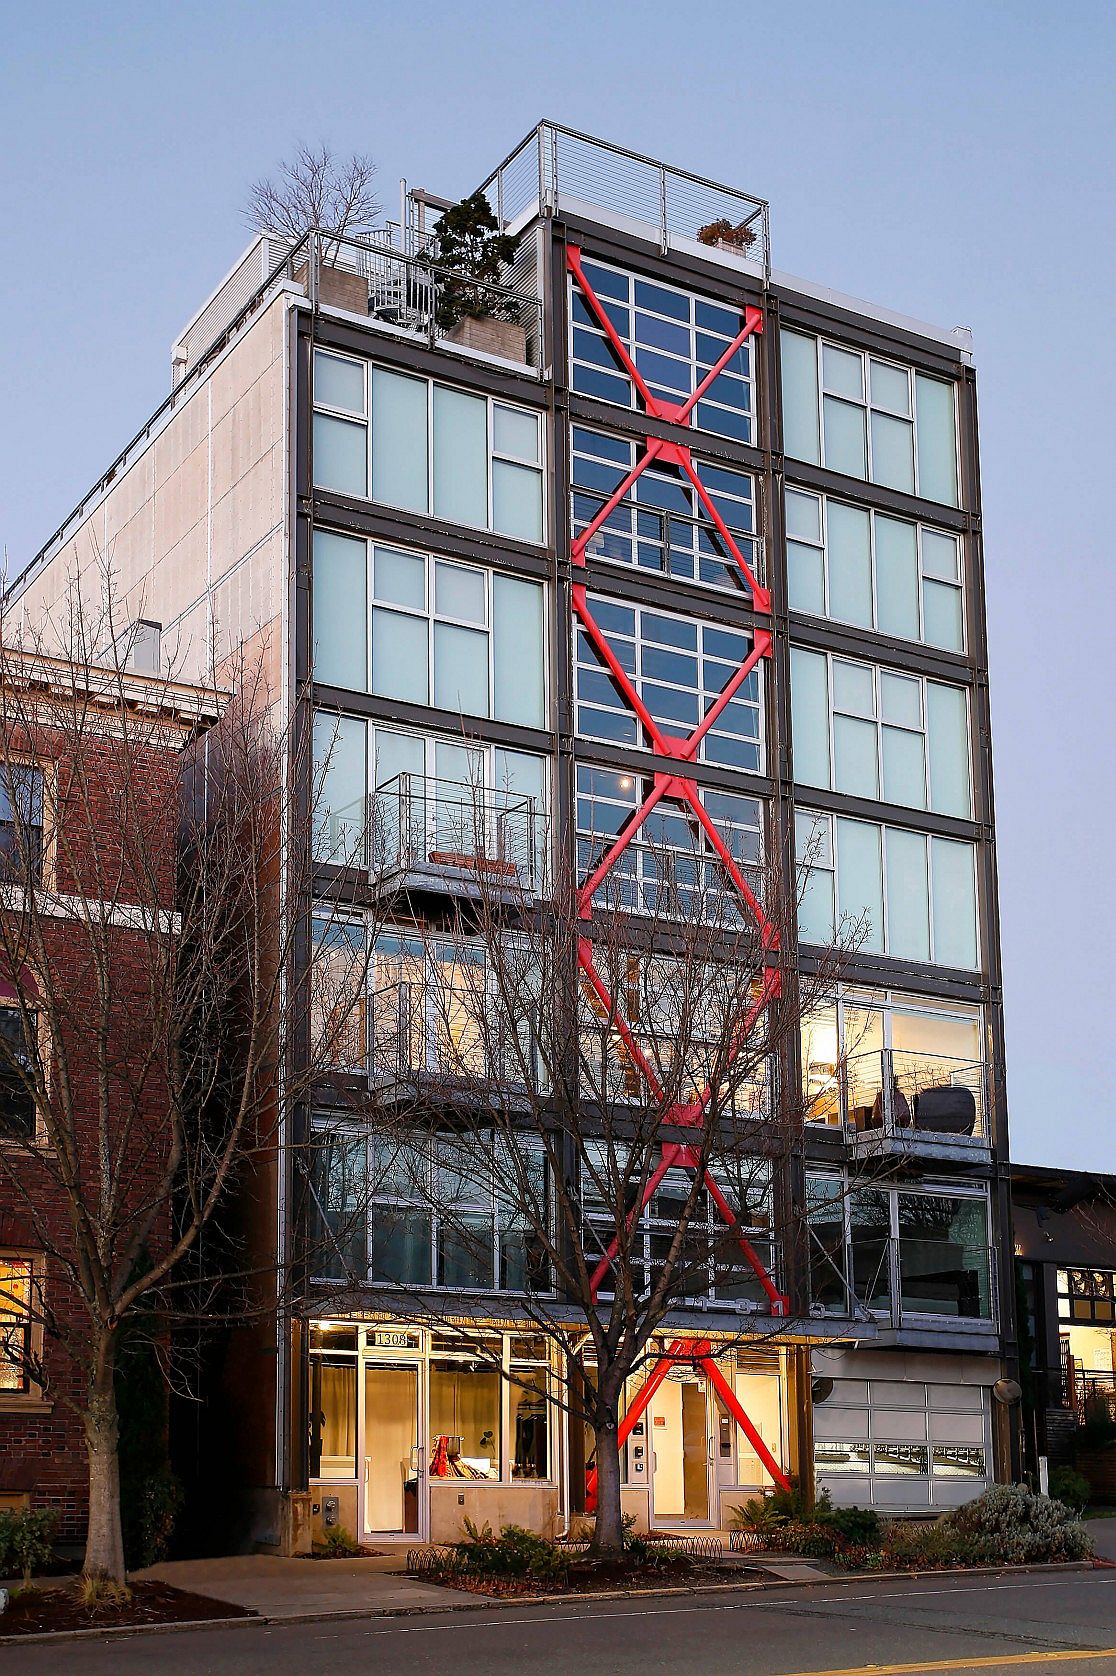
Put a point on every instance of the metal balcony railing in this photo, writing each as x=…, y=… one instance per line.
x=419, y=823
x=1090, y=1392
x=431, y=1029
x=558, y=168
x=894, y=1094
x=904, y=1279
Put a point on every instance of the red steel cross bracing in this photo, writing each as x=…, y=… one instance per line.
x=675, y=787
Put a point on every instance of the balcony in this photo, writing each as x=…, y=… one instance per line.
x=438, y=1032
x=906, y=1284
x=424, y=833
x=915, y=1105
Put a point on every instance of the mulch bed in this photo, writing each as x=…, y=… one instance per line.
x=33, y=1611
x=679, y=1573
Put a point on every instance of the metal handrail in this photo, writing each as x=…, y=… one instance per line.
x=420, y=820
x=553, y=159
x=885, y=1093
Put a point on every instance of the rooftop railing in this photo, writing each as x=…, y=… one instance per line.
x=557, y=167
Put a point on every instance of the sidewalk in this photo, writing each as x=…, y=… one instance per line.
x=289, y=1588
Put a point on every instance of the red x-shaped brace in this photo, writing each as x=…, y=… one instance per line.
x=696, y=1353
x=674, y=786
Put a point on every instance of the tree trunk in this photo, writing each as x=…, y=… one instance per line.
x=608, y=1536
x=104, y=1546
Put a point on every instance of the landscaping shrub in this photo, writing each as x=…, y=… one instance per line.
x=514, y=1553
x=26, y=1540
x=1070, y=1487
x=338, y=1544
x=858, y=1526
x=1009, y=1524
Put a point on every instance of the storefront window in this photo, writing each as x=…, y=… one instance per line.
x=530, y=1423
x=464, y=1418
x=333, y=1404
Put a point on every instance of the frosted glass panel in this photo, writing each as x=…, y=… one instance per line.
x=340, y=455
x=815, y=908
x=904, y=768
x=516, y=433
x=397, y=753
x=339, y=383
x=937, y=440
x=803, y=516
x=908, y=907
x=459, y=592
x=340, y=611
x=890, y=387
x=517, y=651
x=340, y=769
x=892, y=452
x=800, y=397
x=460, y=457
x=955, y=929
x=846, y=445
x=460, y=669
x=896, y=578
x=400, y=650
x=400, y=578
x=854, y=688
x=858, y=872
x=805, y=578
x=854, y=757
x=810, y=717
x=517, y=501
x=842, y=372
x=941, y=616
x=900, y=700
x=850, y=564
x=948, y=735
x=940, y=556
x=399, y=424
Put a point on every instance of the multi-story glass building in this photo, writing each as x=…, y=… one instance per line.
x=522, y=554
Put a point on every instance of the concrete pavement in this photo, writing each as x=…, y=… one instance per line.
x=284, y=1588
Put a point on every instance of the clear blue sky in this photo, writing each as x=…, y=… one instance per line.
x=951, y=160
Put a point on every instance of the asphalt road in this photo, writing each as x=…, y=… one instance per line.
x=1064, y=1623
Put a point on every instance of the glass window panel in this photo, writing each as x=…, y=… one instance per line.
x=937, y=439
x=340, y=455
x=459, y=592
x=399, y=452
x=815, y=908
x=854, y=688
x=893, y=452
x=460, y=456
x=937, y=1035
x=904, y=768
x=339, y=383
x=400, y=578
x=461, y=669
x=896, y=578
x=515, y=432
x=803, y=516
x=941, y=616
x=333, y=1399
x=855, y=765
x=806, y=578
x=890, y=387
x=812, y=835
x=958, y=1461
x=399, y=656
x=947, y=731
x=397, y=753
x=340, y=771
x=799, y=356
x=859, y=878
x=517, y=501
x=661, y=301
x=900, y=700
x=842, y=372
x=901, y=1459
x=340, y=610
x=465, y=1411
x=850, y=564
x=842, y=1457
x=940, y=556
x=846, y=442
x=810, y=717
x=955, y=920
x=517, y=651
x=529, y=1423
x=908, y=905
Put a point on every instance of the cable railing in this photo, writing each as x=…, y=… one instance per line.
x=896, y=1094
x=894, y=1280
x=429, y=1028
x=558, y=168
x=494, y=837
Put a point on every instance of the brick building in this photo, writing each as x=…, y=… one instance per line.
x=89, y=777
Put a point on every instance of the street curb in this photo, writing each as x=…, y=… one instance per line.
x=486, y=1603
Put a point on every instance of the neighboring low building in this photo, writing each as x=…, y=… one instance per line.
x=60, y=839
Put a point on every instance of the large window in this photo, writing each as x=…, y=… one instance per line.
x=462, y=638
x=388, y=799
x=674, y=338
x=912, y=895
x=679, y=668
x=1087, y=1295
x=18, y=1068
x=876, y=733
x=874, y=571
x=333, y=1401
x=670, y=869
x=16, y=1283
x=869, y=418
x=21, y=821
x=449, y=1215
x=427, y=447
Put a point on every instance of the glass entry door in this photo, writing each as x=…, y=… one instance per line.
x=394, y=1469
x=681, y=1443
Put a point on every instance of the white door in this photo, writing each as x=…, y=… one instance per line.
x=394, y=1475
x=681, y=1451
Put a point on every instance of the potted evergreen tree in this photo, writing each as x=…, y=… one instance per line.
x=471, y=252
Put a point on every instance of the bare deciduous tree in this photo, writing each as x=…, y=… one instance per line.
x=156, y=866
x=316, y=189
x=591, y=1110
